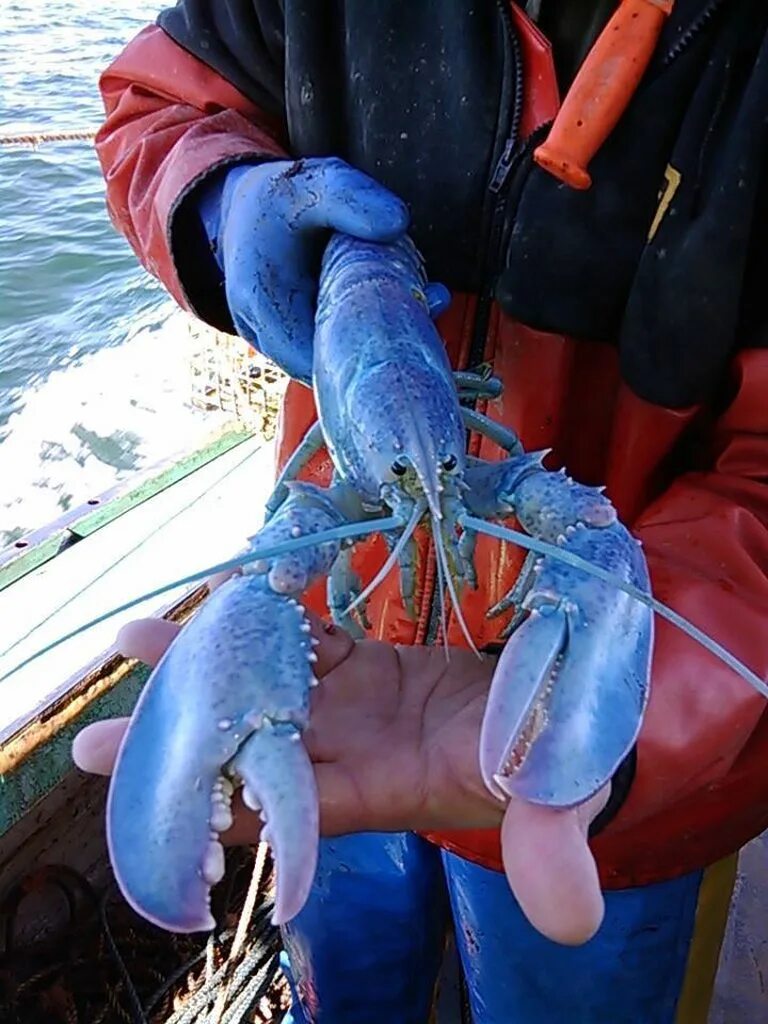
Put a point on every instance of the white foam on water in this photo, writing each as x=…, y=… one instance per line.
x=99, y=421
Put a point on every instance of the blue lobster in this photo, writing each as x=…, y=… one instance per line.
x=227, y=704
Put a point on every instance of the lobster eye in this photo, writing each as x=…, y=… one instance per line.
x=449, y=463
x=399, y=469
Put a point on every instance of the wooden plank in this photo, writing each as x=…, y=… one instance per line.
x=65, y=829
x=37, y=775
x=36, y=758
x=117, y=506
x=741, y=985
x=38, y=547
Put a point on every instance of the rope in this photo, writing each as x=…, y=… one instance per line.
x=102, y=964
x=40, y=137
x=241, y=933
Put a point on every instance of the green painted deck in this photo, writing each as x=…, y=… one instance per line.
x=158, y=534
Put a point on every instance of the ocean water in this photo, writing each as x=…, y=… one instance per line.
x=94, y=381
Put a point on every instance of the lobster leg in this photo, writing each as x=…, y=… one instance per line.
x=504, y=437
x=343, y=588
x=408, y=577
x=310, y=444
x=516, y=595
x=472, y=385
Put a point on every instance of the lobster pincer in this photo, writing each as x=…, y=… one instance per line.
x=571, y=686
x=226, y=707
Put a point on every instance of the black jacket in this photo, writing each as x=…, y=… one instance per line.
x=426, y=97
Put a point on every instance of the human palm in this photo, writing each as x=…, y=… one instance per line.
x=394, y=735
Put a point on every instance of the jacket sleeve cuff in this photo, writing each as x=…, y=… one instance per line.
x=190, y=270
x=201, y=282
x=170, y=122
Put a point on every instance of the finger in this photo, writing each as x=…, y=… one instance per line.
x=438, y=299
x=94, y=749
x=333, y=644
x=147, y=639
x=355, y=204
x=552, y=872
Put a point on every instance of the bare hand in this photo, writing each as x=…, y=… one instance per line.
x=394, y=737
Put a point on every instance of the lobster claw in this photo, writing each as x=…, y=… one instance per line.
x=279, y=782
x=225, y=706
x=570, y=688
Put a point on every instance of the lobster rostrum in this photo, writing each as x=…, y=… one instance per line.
x=228, y=702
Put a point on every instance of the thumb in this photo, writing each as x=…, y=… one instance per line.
x=355, y=204
x=438, y=299
x=551, y=870
x=94, y=749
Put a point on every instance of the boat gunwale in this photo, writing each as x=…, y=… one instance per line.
x=35, y=751
x=39, y=546
x=35, y=748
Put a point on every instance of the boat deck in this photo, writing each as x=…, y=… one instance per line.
x=201, y=520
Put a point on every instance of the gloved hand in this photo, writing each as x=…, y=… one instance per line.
x=268, y=224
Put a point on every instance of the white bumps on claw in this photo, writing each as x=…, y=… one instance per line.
x=250, y=799
x=221, y=805
x=213, y=862
x=221, y=818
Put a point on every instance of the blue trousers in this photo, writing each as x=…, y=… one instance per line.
x=367, y=947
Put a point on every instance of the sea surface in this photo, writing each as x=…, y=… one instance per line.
x=94, y=374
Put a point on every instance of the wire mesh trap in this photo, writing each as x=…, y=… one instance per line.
x=226, y=373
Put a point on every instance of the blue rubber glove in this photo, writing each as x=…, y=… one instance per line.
x=268, y=224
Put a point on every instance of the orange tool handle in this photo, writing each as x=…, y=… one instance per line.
x=602, y=89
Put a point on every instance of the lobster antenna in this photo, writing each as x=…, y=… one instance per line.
x=405, y=536
x=441, y=596
x=544, y=548
x=285, y=547
x=442, y=557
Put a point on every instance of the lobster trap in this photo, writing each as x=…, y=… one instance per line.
x=228, y=374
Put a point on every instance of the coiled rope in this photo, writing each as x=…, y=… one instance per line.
x=40, y=137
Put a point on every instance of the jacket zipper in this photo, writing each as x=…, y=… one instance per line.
x=494, y=206
x=497, y=195
x=688, y=36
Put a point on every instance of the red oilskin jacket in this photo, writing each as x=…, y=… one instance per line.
x=701, y=786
